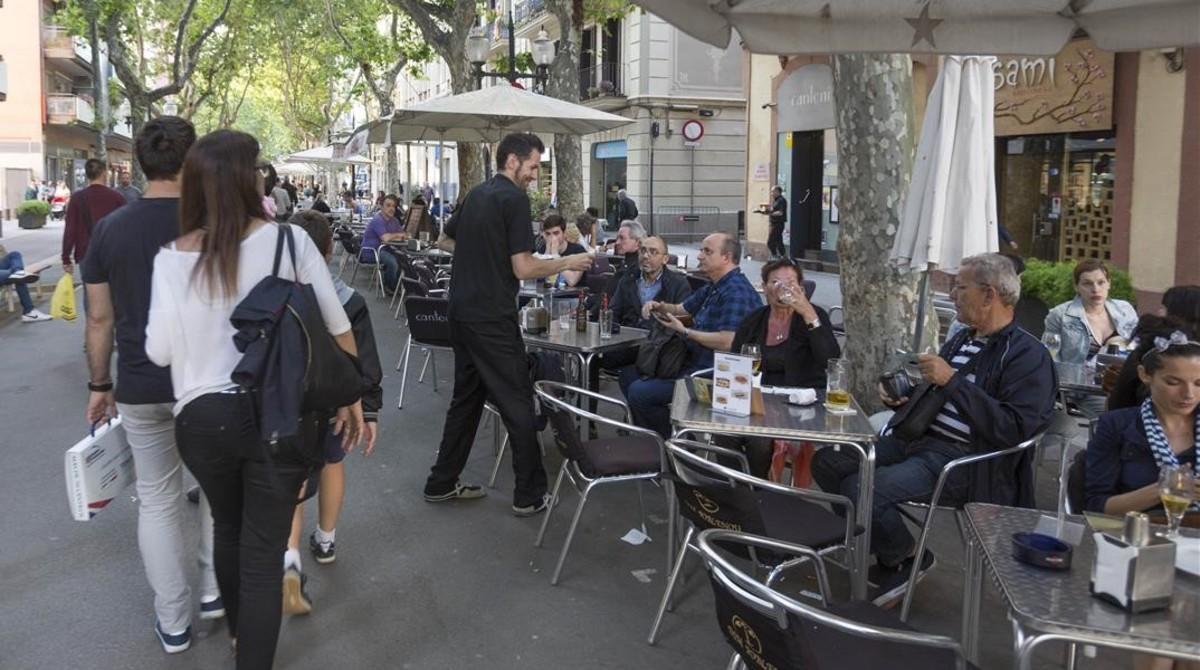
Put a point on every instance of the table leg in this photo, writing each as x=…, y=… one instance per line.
x=972, y=594
x=862, y=545
x=585, y=367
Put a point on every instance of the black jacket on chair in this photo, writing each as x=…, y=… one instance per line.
x=807, y=349
x=627, y=303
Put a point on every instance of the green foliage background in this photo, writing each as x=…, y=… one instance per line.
x=1053, y=284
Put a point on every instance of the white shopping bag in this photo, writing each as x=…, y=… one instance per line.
x=98, y=467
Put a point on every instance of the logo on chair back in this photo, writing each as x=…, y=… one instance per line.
x=431, y=317
x=706, y=503
x=706, y=509
x=749, y=643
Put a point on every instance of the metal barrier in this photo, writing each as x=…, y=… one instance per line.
x=692, y=224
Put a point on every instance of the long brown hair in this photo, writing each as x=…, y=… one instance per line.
x=220, y=196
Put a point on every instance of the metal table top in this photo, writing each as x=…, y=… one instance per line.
x=559, y=293
x=571, y=341
x=1059, y=602
x=779, y=419
x=1078, y=378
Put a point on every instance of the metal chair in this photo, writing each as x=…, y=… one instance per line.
x=933, y=506
x=771, y=629
x=361, y=259
x=636, y=457
x=429, y=329
x=711, y=495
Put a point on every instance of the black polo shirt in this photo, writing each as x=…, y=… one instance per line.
x=492, y=225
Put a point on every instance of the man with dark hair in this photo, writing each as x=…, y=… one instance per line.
x=86, y=207
x=555, y=243
x=127, y=189
x=717, y=310
x=384, y=228
x=117, y=276
x=492, y=239
x=776, y=219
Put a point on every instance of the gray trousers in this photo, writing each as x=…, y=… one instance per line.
x=162, y=516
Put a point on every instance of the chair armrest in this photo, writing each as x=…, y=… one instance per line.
x=977, y=458
x=716, y=450
x=708, y=539
x=548, y=387
x=701, y=373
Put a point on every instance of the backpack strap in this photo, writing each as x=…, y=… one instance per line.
x=285, y=232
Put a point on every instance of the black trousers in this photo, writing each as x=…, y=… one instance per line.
x=490, y=364
x=775, y=241
x=252, y=498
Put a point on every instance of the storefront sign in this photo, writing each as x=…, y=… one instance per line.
x=806, y=100
x=1070, y=92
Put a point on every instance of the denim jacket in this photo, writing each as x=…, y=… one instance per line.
x=1069, y=322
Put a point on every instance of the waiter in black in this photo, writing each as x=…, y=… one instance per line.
x=492, y=240
x=776, y=220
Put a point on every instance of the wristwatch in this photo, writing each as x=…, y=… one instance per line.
x=814, y=324
x=104, y=387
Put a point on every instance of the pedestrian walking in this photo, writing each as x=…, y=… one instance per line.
x=226, y=249
x=776, y=220
x=127, y=189
x=84, y=209
x=116, y=272
x=492, y=239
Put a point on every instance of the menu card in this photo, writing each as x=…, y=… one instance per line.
x=732, y=383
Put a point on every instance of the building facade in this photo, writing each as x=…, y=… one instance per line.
x=1097, y=156
x=47, y=121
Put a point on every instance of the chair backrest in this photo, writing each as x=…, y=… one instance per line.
x=810, y=287
x=414, y=286
x=428, y=320
x=554, y=403
x=1075, y=481
x=767, y=628
x=709, y=495
x=696, y=282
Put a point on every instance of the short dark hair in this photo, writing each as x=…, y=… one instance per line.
x=1183, y=303
x=1088, y=265
x=394, y=198
x=161, y=146
x=593, y=212
x=553, y=221
x=93, y=168
x=778, y=263
x=317, y=227
x=519, y=145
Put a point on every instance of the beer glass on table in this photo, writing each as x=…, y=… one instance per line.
x=837, y=391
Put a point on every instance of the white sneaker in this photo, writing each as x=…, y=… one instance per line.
x=34, y=315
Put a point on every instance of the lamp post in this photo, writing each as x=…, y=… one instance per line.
x=542, y=51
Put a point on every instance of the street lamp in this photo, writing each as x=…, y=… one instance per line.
x=478, y=46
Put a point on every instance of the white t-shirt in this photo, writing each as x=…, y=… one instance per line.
x=190, y=331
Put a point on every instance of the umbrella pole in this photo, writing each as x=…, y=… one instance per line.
x=922, y=296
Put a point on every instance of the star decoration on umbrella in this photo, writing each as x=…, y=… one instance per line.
x=923, y=27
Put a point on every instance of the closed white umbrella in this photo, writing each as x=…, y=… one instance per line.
x=950, y=210
x=933, y=26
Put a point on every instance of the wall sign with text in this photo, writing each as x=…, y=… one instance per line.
x=1070, y=92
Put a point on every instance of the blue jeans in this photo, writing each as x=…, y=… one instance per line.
x=649, y=399
x=9, y=264
x=903, y=471
x=388, y=264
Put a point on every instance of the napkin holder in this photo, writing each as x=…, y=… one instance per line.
x=1135, y=571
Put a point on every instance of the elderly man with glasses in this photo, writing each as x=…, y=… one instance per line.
x=1004, y=398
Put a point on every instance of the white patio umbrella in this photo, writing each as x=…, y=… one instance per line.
x=485, y=115
x=933, y=26
x=950, y=210
x=325, y=156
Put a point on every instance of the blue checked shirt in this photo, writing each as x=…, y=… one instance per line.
x=719, y=307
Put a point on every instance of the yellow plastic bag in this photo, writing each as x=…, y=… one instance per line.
x=62, y=304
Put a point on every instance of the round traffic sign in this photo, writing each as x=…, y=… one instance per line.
x=693, y=130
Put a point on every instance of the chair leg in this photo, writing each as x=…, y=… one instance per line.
x=642, y=508
x=541, y=536
x=735, y=663
x=664, y=605
x=562, y=557
x=404, y=376
x=433, y=368
x=425, y=366
x=916, y=568
x=500, y=460
x=354, y=274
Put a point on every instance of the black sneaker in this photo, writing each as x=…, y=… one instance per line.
x=460, y=491
x=193, y=495
x=321, y=551
x=211, y=608
x=890, y=584
x=535, y=508
x=295, y=599
x=173, y=644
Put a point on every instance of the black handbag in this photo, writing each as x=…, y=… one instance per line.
x=663, y=354
x=914, y=418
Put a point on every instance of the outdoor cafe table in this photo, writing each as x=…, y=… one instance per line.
x=1049, y=605
x=436, y=254
x=811, y=423
x=1078, y=378
x=584, y=347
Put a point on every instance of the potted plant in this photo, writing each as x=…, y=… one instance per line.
x=32, y=213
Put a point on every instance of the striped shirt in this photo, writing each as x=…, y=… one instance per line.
x=949, y=422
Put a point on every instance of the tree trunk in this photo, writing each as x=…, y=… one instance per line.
x=564, y=85
x=470, y=155
x=139, y=112
x=100, y=88
x=875, y=153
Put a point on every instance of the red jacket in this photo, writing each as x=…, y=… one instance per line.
x=100, y=201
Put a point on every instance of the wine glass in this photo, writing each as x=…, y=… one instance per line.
x=1177, y=490
x=754, y=352
x=784, y=291
x=1053, y=343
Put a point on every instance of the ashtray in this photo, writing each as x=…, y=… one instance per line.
x=1042, y=551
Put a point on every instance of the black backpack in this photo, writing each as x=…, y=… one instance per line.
x=290, y=362
x=663, y=354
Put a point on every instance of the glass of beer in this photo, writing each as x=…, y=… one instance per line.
x=1177, y=490
x=753, y=351
x=837, y=393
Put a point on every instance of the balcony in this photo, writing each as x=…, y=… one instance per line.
x=600, y=81
x=529, y=10
x=63, y=109
x=71, y=54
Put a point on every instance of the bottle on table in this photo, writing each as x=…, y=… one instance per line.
x=581, y=315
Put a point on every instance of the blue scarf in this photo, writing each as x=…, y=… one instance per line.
x=1159, y=446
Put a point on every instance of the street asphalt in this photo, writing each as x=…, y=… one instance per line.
x=415, y=585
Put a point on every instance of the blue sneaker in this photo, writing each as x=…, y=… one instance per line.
x=173, y=644
x=211, y=608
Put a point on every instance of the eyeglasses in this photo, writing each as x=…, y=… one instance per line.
x=958, y=288
x=649, y=251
